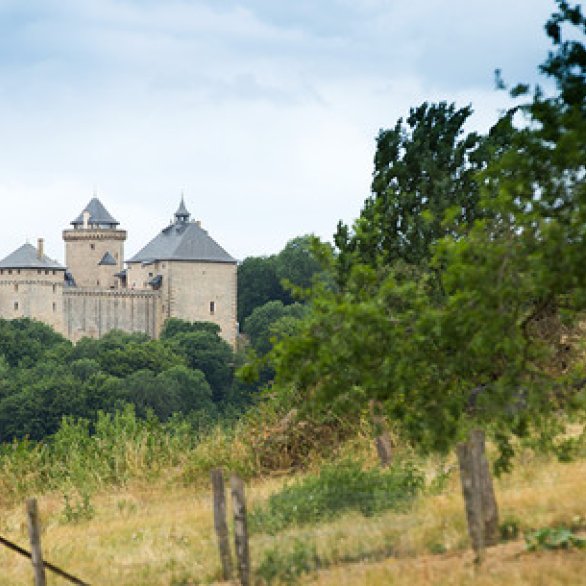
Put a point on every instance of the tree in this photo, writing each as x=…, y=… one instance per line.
x=258, y=283
x=467, y=349
x=296, y=263
x=207, y=352
x=260, y=323
x=423, y=168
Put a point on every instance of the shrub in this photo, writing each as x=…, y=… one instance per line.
x=553, y=538
x=336, y=489
x=287, y=567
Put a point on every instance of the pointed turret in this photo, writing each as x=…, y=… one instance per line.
x=182, y=215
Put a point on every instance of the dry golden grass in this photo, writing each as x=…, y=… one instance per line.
x=156, y=535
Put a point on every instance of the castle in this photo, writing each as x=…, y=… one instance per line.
x=181, y=273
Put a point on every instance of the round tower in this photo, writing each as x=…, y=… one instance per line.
x=94, y=247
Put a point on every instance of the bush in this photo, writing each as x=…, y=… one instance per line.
x=287, y=566
x=336, y=489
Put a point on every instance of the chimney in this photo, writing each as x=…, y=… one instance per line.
x=86, y=219
x=40, y=248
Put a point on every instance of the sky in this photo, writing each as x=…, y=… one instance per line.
x=262, y=113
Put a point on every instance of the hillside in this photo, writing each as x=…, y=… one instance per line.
x=159, y=532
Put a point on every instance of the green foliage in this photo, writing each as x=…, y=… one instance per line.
x=553, y=538
x=82, y=457
x=24, y=341
x=77, y=508
x=258, y=283
x=207, y=352
x=423, y=168
x=338, y=488
x=263, y=279
x=286, y=566
x=174, y=326
x=296, y=263
x=457, y=275
x=267, y=320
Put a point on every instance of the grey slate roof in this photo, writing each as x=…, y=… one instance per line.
x=26, y=257
x=98, y=214
x=108, y=259
x=183, y=240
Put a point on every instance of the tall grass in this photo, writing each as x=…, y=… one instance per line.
x=117, y=448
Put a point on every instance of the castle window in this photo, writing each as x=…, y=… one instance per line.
x=92, y=246
x=39, y=271
x=16, y=306
x=212, y=307
x=1, y=271
x=98, y=282
x=54, y=307
x=18, y=271
x=54, y=288
x=15, y=287
x=46, y=272
x=10, y=271
x=54, y=272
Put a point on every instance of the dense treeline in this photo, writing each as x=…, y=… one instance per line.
x=43, y=376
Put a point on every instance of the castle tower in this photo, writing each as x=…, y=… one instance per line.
x=31, y=285
x=195, y=276
x=94, y=247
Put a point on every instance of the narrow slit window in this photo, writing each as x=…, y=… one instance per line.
x=212, y=307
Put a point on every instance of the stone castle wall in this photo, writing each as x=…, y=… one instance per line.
x=32, y=293
x=94, y=312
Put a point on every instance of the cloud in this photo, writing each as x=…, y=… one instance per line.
x=263, y=112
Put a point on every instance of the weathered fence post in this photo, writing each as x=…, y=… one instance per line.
x=240, y=530
x=478, y=492
x=220, y=523
x=383, y=438
x=34, y=531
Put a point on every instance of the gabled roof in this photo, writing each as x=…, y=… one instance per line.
x=98, y=214
x=26, y=257
x=108, y=259
x=183, y=240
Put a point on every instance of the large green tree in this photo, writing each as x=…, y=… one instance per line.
x=424, y=167
x=476, y=342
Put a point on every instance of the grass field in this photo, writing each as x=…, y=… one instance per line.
x=161, y=534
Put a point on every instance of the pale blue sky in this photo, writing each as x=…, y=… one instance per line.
x=263, y=112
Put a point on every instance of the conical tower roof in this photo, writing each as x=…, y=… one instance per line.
x=98, y=215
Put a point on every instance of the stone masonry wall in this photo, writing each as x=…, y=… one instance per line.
x=94, y=312
x=84, y=248
x=32, y=293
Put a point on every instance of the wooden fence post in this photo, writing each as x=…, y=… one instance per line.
x=383, y=438
x=240, y=530
x=478, y=492
x=220, y=523
x=34, y=531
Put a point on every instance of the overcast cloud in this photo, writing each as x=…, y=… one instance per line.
x=263, y=112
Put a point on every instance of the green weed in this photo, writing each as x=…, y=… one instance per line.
x=336, y=489
x=287, y=566
x=553, y=538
